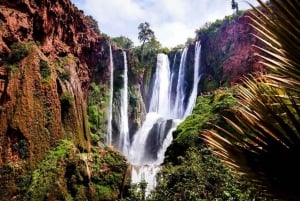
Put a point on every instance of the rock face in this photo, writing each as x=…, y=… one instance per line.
x=49, y=55
x=227, y=52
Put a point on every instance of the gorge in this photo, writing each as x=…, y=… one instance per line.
x=81, y=118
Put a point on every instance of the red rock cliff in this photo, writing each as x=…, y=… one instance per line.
x=227, y=52
x=43, y=95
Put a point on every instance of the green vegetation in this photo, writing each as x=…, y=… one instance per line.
x=97, y=112
x=122, y=42
x=145, y=34
x=18, y=52
x=261, y=138
x=60, y=63
x=45, y=70
x=67, y=174
x=210, y=28
x=199, y=176
x=190, y=171
x=22, y=147
x=11, y=68
x=46, y=176
x=66, y=99
x=207, y=112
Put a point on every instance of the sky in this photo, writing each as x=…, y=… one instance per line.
x=173, y=21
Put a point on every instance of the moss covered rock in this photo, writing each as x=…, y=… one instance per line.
x=67, y=174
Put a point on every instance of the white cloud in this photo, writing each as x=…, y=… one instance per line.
x=172, y=21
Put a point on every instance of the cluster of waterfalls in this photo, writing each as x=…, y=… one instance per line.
x=172, y=100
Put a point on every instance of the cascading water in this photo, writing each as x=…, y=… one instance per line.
x=193, y=96
x=178, y=111
x=166, y=111
x=168, y=106
x=111, y=88
x=124, y=141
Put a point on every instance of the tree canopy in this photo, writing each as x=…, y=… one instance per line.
x=123, y=42
x=145, y=33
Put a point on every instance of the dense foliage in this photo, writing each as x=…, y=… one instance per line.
x=97, y=102
x=67, y=174
x=18, y=52
x=122, y=42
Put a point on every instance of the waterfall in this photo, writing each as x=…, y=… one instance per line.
x=180, y=90
x=193, y=96
x=168, y=106
x=173, y=82
x=166, y=111
x=124, y=141
x=160, y=97
x=152, y=139
x=111, y=88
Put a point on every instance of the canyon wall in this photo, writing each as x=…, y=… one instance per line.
x=228, y=52
x=50, y=53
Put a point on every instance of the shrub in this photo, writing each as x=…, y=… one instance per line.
x=44, y=177
x=44, y=69
x=22, y=147
x=18, y=52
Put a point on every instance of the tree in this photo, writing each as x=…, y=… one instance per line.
x=145, y=34
x=262, y=138
x=234, y=5
x=123, y=42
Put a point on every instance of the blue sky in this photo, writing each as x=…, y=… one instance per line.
x=173, y=21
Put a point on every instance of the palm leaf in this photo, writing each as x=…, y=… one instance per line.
x=263, y=139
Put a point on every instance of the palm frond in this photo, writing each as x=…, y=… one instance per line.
x=263, y=139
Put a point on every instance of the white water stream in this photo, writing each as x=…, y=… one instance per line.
x=124, y=141
x=111, y=88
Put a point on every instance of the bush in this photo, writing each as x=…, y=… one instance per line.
x=123, y=42
x=18, y=52
x=44, y=69
x=22, y=147
x=45, y=177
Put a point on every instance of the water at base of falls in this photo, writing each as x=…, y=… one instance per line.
x=151, y=141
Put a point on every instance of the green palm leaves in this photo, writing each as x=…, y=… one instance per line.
x=263, y=141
